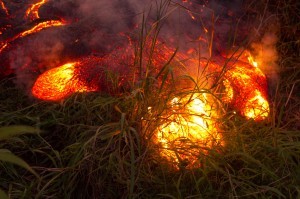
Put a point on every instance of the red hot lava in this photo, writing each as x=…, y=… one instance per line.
x=192, y=116
x=4, y=7
x=33, y=11
x=60, y=82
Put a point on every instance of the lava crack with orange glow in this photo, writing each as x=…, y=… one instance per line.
x=33, y=11
x=41, y=26
x=4, y=7
x=190, y=130
x=58, y=83
x=37, y=28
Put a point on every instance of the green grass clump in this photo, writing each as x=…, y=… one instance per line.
x=98, y=146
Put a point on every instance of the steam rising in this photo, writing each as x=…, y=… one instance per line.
x=266, y=54
x=98, y=27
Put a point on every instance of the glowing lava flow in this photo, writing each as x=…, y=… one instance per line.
x=41, y=26
x=190, y=130
x=3, y=46
x=33, y=10
x=38, y=27
x=58, y=83
x=33, y=13
x=246, y=89
x=4, y=7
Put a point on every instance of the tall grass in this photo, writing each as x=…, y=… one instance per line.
x=98, y=146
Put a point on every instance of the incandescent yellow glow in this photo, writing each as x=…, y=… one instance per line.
x=190, y=129
x=252, y=62
x=228, y=94
x=256, y=107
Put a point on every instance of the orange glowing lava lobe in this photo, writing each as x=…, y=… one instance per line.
x=33, y=10
x=4, y=7
x=246, y=89
x=58, y=83
x=190, y=128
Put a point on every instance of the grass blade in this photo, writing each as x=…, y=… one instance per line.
x=11, y=131
x=3, y=195
x=7, y=156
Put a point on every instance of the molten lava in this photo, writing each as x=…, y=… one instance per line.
x=41, y=26
x=4, y=7
x=58, y=83
x=33, y=11
x=246, y=90
x=37, y=28
x=85, y=75
x=191, y=126
x=3, y=46
x=189, y=129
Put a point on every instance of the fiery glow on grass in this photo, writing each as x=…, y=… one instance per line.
x=256, y=107
x=33, y=10
x=58, y=83
x=189, y=129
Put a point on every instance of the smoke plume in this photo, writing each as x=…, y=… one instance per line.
x=199, y=28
